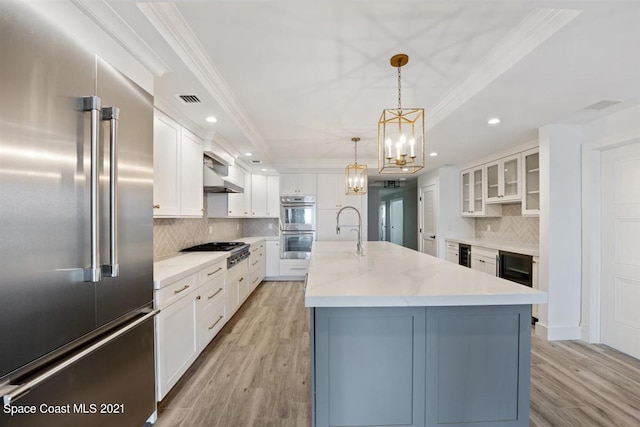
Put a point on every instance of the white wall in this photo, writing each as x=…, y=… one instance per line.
x=614, y=130
x=560, y=231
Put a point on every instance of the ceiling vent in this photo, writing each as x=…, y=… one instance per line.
x=189, y=99
x=601, y=105
x=256, y=162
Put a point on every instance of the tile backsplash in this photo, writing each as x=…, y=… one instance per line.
x=170, y=235
x=511, y=227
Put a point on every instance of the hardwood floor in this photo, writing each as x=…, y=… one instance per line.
x=256, y=373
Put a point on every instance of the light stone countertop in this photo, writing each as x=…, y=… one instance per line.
x=180, y=266
x=519, y=248
x=393, y=276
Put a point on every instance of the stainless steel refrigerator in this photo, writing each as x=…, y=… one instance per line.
x=76, y=255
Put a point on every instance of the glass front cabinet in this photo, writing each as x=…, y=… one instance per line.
x=531, y=183
x=472, y=192
x=503, y=180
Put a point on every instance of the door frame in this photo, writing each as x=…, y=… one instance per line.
x=390, y=216
x=421, y=216
x=592, y=237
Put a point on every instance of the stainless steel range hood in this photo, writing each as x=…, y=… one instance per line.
x=216, y=176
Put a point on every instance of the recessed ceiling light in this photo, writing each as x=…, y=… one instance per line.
x=264, y=170
x=211, y=119
x=433, y=154
x=494, y=121
x=248, y=154
x=405, y=169
x=403, y=179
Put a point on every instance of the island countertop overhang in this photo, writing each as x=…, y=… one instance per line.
x=390, y=275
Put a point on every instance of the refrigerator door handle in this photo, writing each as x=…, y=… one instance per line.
x=11, y=393
x=94, y=272
x=112, y=115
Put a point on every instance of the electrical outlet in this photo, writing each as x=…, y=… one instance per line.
x=270, y=226
x=237, y=226
x=488, y=227
x=210, y=229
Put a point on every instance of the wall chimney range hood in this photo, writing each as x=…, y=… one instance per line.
x=216, y=175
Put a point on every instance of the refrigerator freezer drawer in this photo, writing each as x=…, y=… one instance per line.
x=112, y=386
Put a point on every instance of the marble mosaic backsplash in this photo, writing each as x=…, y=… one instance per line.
x=170, y=235
x=511, y=227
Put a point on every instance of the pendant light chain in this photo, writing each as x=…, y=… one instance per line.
x=356, y=149
x=399, y=87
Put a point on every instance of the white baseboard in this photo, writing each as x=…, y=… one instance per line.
x=558, y=333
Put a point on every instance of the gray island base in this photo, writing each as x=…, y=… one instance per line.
x=377, y=361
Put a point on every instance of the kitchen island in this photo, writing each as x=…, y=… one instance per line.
x=403, y=338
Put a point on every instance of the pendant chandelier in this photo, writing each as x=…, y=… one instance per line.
x=356, y=175
x=401, y=134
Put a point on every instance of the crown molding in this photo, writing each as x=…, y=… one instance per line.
x=117, y=28
x=534, y=29
x=171, y=25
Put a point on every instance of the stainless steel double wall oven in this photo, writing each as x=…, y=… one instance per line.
x=297, y=226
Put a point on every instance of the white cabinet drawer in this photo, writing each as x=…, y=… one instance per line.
x=210, y=273
x=212, y=319
x=255, y=279
x=291, y=267
x=211, y=292
x=173, y=292
x=484, y=252
x=452, y=246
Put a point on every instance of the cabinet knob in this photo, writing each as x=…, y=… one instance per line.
x=156, y=206
x=202, y=209
x=229, y=211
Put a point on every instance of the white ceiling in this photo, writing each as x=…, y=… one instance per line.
x=293, y=81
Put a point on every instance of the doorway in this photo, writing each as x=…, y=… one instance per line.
x=382, y=221
x=396, y=219
x=428, y=242
x=620, y=275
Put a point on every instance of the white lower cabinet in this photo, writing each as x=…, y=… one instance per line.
x=452, y=252
x=257, y=265
x=237, y=288
x=192, y=312
x=294, y=268
x=272, y=255
x=176, y=340
x=484, y=260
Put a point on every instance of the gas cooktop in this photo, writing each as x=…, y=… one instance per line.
x=215, y=246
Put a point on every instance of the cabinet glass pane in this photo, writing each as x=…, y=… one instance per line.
x=532, y=190
x=465, y=192
x=511, y=178
x=477, y=190
x=492, y=181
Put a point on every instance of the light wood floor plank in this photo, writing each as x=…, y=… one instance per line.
x=256, y=372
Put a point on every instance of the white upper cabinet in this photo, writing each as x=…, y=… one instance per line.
x=239, y=204
x=273, y=196
x=258, y=195
x=503, y=180
x=166, y=154
x=177, y=170
x=265, y=196
x=472, y=194
x=298, y=184
x=332, y=192
x=531, y=182
x=260, y=199
x=191, y=182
